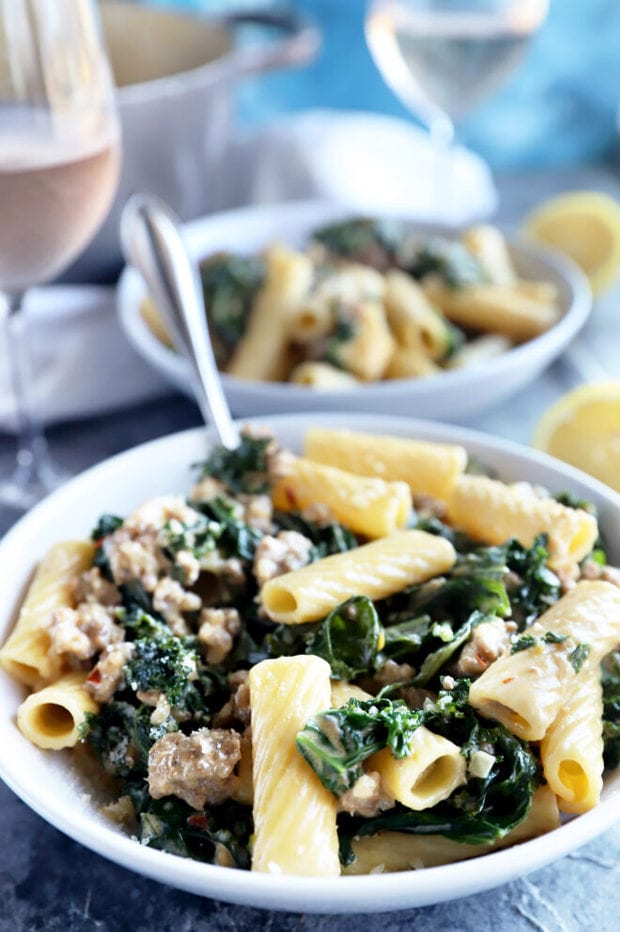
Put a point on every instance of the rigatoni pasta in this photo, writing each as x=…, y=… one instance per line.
x=266, y=689
x=294, y=815
x=373, y=311
x=427, y=468
x=572, y=749
x=375, y=570
x=492, y=512
x=52, y=717
x=368, y=505
x=27, y=654
x=526, y=689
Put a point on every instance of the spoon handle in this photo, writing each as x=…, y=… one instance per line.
x=152, y=241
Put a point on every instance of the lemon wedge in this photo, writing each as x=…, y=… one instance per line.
x=583, y=429
x=585, y=226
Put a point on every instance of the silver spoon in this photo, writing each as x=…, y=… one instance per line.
x=152, y=241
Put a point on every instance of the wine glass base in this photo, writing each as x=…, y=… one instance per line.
x=28, y=486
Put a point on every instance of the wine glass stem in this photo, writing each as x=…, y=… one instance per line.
x=34, y=465
x=442, y=137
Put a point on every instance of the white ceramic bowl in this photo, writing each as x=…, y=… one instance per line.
x=49, y=785
x=449, y=395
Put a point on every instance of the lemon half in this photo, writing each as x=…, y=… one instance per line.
x=583, y=429
x=584, y=225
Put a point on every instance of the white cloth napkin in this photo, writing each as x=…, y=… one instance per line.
x=365, y=161
x=82, y=363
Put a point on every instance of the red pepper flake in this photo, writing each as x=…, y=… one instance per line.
x=199, y=821
x=94, y=676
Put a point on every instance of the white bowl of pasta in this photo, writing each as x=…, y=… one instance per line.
x=294, y=807
x=291, y=336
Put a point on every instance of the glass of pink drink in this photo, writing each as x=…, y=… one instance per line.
x=59, y=167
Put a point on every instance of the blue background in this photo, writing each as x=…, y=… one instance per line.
x=559, y=107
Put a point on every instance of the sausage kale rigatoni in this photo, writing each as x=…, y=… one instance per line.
x=364, y=659
x=367, y=301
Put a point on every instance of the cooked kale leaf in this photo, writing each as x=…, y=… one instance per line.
x=169, y=824
x=448, y=259
x=162, y=664
x=349, y=638
x=230, y=284
x=106, y=525
x=374, y=242
x=243, y=469
x=326, y=538
x=336, y=742
x=610, y=678
x=484, y=809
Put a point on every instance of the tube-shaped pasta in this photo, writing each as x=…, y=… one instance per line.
x=526, y=690
x=429, y=773
x=311, y=320
x=400, y=851
x=152, y=318
x=322, y=377
x=479, y=350
x=545, y=292
x=342, y=691
x=26, y=655
x=488, y=245
x=294, y=814
x=349, y=284
x=572, y=749
x=428, y=468
x=378, y=569
x=367, y=505
x=409, y=363
x=262, y=352
x=51, y=717
x=414, y=321
x=370, y=349
x=492, y=512
x=496, y=308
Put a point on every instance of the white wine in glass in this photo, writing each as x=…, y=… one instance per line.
x=442, y=57
x=59, y=168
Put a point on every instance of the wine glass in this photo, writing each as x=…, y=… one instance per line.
x=59, y=167
x=442, y=57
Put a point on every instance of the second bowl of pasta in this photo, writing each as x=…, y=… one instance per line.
x=310, y=309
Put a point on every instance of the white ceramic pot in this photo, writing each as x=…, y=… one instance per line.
x=175, y=75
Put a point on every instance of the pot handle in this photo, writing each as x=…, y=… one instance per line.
x=297, y=46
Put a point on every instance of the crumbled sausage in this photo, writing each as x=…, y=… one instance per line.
x=258, y=512
x=366, y=797
x=318, y=513
x=92, y=587
x=107, y=674
x=189, y=565
x=277, y=555
x=392, y=672
x=237, y=709
x=426, y=506
x=134, y=551
x=206, y=489
x=198, y=768
x=590, y=569
x=80, y=633
x=488, y=641
x=226, y=569
x=170, y=599
x=218, y=628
